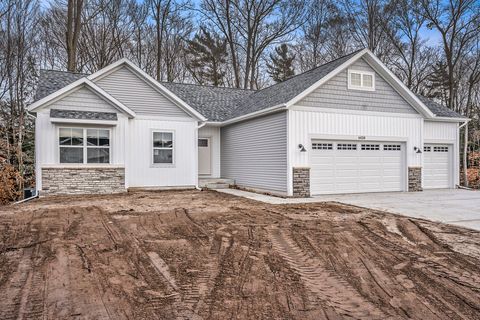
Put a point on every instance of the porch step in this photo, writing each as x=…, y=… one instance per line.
x=215, y=183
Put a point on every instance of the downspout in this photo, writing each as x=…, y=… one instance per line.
x=28, y=199
x=465, y=174
x=464, y=124
x=196, y=148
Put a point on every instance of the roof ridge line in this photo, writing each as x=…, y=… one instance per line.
x=312, y=69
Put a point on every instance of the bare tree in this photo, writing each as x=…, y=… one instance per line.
x=250, y=27
x=365, y=19
x=458, y=23
x=412, y=58
x=17, y=57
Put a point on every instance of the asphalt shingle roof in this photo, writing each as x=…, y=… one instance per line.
x=214, y=103
x=50, y=81
x=84, y=115
x=439, y=109
x=220, y=104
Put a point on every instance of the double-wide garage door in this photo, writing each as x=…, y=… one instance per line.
x=356, y=167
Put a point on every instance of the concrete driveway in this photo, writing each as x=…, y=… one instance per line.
x=453, y=206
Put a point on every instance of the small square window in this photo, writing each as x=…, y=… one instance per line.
x=203, y=143
x=356, y=79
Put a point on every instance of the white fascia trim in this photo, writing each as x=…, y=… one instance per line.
x=326, y=78
x=213, y=123
x=165, y=118
x=67, y=89
x=152, y=81
x=404, y=88
x=84, y=121
x=255, y=114
x=447, y=119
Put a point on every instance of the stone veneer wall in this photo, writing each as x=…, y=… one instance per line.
x=415, y=179
x=83, y=180
x=301, y=182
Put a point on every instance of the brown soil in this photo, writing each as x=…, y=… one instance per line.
x=206, y=255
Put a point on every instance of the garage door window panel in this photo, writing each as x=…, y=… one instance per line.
x=370, y=147
x=346, y=146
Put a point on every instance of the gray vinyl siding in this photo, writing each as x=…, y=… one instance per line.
x=138, y=95
x=83, y=99
x=336, y=95
x=254, y=152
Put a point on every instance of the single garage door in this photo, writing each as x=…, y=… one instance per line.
x=356, y=167
x=436, y=166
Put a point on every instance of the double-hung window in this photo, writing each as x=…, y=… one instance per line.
x=80, y=145
x=163, y=145
x=361, y=80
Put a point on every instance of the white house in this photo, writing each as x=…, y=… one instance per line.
x=347, y=126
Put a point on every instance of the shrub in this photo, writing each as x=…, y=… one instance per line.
x=10, y=182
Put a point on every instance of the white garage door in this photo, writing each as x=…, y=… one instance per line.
x=436, y=166
x=355, y=167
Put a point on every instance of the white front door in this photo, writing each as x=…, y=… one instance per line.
x=356, y=167
x=204, y=157
x=436, y=166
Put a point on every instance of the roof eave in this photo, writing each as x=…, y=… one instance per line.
x=254, y=114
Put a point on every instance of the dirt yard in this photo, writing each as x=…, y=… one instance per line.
x=206, y=255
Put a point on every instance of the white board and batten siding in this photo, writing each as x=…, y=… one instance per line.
x=138, y=95
x=254, y=153
x=441, y=155
x=46, y=141
x=140, y=170
x=213, y=133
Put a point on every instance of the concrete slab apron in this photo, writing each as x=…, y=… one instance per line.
x=458, y=207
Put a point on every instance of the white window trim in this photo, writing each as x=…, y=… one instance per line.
x=84, y=146
x=162, y=165
x=361, y=87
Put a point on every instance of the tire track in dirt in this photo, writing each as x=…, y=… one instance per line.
x=332, y=293
x=458, y=298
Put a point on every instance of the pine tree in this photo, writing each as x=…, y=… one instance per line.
x=206, y=58
x=280, y=67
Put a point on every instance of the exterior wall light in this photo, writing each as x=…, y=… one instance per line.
x=417, y=150
x=302, y=148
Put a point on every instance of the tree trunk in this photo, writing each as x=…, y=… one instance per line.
x=74, y=26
